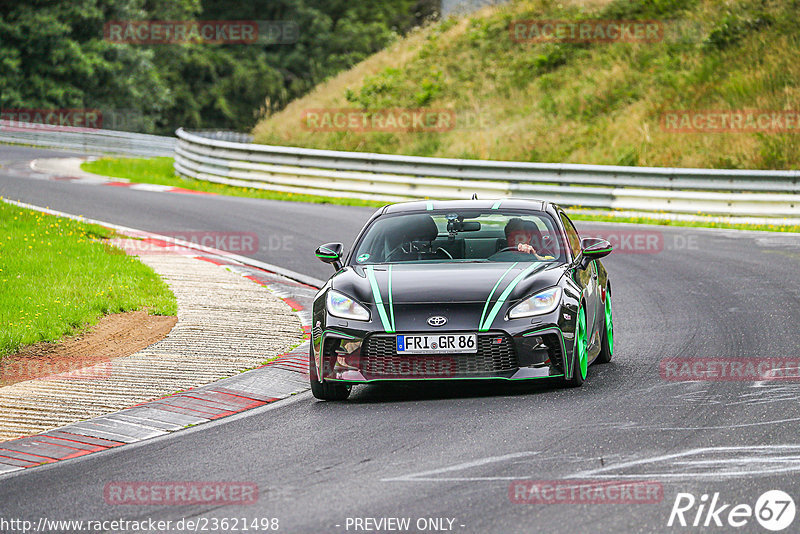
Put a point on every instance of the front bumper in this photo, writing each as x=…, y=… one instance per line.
x=358, y=357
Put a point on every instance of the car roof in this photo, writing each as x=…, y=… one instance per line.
x=443, y=205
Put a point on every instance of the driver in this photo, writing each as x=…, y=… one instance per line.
x=521, y=233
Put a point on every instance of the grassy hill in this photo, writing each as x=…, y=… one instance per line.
x=598, y=103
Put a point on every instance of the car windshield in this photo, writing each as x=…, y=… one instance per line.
x=464, y=236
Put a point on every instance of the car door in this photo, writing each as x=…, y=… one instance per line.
x=587, y=280
x=593, y=302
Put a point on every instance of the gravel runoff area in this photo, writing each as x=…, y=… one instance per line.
x=226, y=324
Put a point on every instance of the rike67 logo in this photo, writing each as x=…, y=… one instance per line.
x=774, y=510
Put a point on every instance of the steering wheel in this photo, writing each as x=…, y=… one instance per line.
x=397, y=249
x=410, y=244
x=445, y=251
x=510, y=249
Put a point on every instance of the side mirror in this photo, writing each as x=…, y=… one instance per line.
x=330, y=253
x=594, y=248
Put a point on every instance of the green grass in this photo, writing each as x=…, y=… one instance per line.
x=58, y=276
x=576, y=215
x=597, y=103
x=160, y=171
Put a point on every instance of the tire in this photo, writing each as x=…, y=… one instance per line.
x=580, y=354
x=607, y=346
x=331, y=391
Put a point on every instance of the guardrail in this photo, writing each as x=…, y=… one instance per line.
x=386, y=177
x=228, y=157
x=89, y=140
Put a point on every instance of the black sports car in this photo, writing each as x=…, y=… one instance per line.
x=463, y=289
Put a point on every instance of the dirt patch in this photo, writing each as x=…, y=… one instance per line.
x=89, y=355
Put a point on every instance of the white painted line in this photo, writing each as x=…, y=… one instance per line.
x=93, y=433
x=747, y=460
x=299, y=277
x=151, y=187
x=5, y=468
x=751, y=459
x=147, y=423
x=741, y=425
x=425, y=475
x=731, y=462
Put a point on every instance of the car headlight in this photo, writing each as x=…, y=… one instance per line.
x=542, y=302
x=341, y=306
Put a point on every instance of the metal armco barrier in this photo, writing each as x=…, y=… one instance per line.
x=86, y=139
x=227, y=157
x=388, y=177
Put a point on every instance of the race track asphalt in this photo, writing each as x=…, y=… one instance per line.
x=452, y=451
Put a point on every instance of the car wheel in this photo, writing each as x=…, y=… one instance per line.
x=325, y=390
x=580, y=354
x=607, y=347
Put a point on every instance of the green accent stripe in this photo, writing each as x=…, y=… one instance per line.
x=496, y=205
x=337, y=333
x=504, y=295
x=534, y=332
x=442, y=379
x=430, y=206
x=597, y=304
x=391, y=304
x=376, y=295
x=327, y=256
x=486, y=306
x=568, y=371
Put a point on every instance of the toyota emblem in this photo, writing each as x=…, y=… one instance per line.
x=437, y=320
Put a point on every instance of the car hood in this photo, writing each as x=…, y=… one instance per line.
x=417, y=283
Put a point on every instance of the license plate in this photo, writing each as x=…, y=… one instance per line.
x=437, y=343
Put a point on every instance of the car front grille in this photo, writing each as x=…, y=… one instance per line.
x=379, y=358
